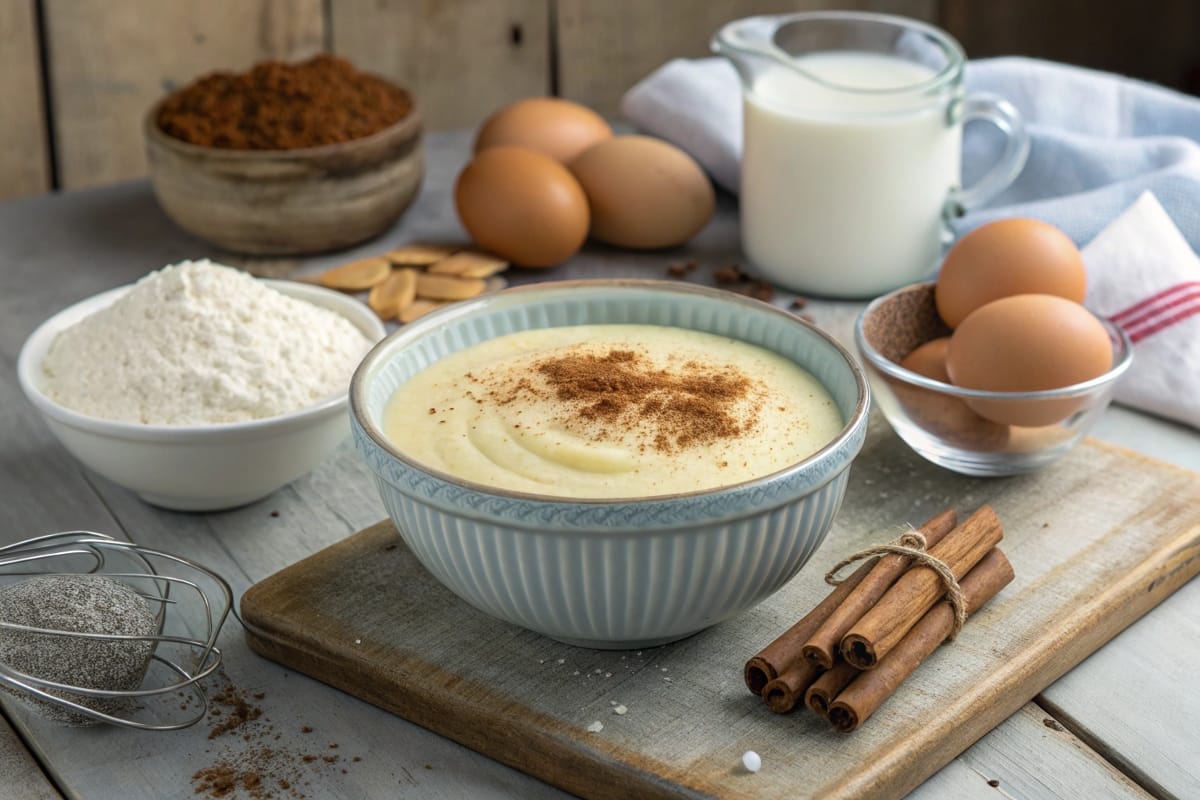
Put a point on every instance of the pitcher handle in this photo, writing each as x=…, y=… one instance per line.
x=1003, y=115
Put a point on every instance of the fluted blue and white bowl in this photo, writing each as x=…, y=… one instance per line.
x=610, y=573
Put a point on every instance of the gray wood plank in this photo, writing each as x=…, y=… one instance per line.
x=462, y=59
x=23, y=778
x=1123, y=698
x=24, y=142
x=56, y=250
x=1053, y=763
x=111, y=61
x=1122, y=716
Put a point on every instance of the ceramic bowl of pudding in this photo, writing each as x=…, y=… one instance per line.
x=945, y=424
x=633, y=569
x=196, y=467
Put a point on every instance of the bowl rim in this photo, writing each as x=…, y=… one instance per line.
x=34, y=349
x=1122, y=345
x=153, y=132
x=434, y=321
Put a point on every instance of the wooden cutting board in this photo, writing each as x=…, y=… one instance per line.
x=1096, y=540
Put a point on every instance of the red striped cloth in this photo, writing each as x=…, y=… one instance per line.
x=1144, y=277
x=1160, y=311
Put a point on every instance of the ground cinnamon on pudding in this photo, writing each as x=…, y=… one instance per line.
x=691, y=404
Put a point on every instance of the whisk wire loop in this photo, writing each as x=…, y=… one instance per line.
x=177, y=660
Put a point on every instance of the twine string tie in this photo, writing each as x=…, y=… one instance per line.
x=912, y=544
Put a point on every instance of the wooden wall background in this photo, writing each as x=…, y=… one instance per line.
x=77, y=76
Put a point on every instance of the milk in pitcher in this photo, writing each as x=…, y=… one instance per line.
x=844, y=178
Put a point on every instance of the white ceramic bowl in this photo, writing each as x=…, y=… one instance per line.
x=619, y=572
x=196, y=467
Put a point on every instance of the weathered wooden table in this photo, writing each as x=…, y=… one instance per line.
x=1124, y=723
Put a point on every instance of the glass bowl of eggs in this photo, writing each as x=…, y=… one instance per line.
x=996, y=368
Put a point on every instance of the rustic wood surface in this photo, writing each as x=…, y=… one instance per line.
x=1095, y=541
x=1156, y=42
x=1053, y=763
x=23, y=778
x=24, y=157
x=462, y=58
x=1171, y=769
x=55, y=250
x=111, y=61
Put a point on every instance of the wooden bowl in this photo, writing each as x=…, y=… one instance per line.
x=280, y=202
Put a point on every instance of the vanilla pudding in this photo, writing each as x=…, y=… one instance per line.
x=606, y=411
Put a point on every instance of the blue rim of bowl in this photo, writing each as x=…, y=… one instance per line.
x=1117, y=336
x=138, y=431
x=426, y=324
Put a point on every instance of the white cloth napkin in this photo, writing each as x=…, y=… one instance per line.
x=1145, y=278
x=696, y=104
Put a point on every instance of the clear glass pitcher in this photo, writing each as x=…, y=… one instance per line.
x=852, y=159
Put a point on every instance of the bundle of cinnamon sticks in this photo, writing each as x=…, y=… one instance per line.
x=847, y=655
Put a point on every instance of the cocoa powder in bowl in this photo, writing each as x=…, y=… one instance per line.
x=904, y=322
x=283, y=106
x=286, y=159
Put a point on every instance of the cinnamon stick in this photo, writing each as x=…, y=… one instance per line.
x=774, y=659
x=783, y=693
x=867, y=692
x=828, y=686
x=903, y=605
x=822, y=646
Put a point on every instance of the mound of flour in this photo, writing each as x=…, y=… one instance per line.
x=197, y=342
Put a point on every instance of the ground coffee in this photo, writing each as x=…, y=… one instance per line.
x=282, y=106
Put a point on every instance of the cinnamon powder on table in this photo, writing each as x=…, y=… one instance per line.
x=253, y=764
x=283, y=106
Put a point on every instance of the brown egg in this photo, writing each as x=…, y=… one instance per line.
x=949, y=418
x=929, y=360
x=522, y=205
x=943, y=415
x=1023, y=343
x=1007, y=257
x=644, y=193
x=559, y=128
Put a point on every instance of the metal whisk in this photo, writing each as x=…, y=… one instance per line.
x=189, y=604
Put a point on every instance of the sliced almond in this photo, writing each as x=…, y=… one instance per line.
x=482, y=271
x=418, y=308
x=396, y=292
x=357, y=275
x=448, y=287
x=419, y=255
x=469, y=264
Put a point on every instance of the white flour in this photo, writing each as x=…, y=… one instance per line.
x=197, y=343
